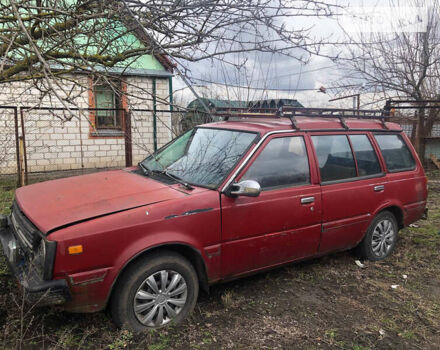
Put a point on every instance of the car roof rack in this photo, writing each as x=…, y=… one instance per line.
x=293, y=112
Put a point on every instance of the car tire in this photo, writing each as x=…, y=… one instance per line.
x=140, y=301
x=380, y=239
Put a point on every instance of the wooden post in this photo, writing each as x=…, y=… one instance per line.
x=17, y=147
x=24, y=156
x=154, y=115
x=171, y=101
x=128, y=144
x=21, y=160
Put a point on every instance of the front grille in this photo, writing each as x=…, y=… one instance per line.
x=26, y=232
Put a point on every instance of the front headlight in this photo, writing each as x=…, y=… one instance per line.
x=44, y=257
x=50, y=250
x=41, y=252
x=38, y=260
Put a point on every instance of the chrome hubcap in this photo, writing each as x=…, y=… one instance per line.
x=160, y=298
x=383, y=238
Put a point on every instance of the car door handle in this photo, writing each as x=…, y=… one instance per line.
x=379, y=188
x=307, y=200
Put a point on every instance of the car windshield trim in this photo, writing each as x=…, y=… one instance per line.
x=255, y=140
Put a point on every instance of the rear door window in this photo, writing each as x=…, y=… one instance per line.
x=395, y=152
x=366, y=158
x=335, y=158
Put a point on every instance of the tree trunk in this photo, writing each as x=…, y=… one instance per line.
x=414, y=129
x=432, y=117
x=420, y=140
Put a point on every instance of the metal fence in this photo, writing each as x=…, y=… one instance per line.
x=9, y=157
x=40, y=143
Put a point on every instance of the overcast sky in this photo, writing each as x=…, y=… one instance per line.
x=276, y=76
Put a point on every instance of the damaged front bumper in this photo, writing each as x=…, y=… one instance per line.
x=38, y=291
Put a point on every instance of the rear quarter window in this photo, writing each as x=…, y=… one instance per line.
x=395, y=152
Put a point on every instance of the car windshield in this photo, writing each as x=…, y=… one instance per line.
x=201, y=156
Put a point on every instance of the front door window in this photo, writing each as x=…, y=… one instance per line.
x=282, y=163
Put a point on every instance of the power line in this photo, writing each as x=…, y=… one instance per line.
x=297, y=73
x=265, y=88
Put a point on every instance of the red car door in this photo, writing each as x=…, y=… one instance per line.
x=352, y=182
x=284, y=222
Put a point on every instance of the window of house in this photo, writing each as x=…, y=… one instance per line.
x=108, y=98
x=335, y=158
x=366, y=158
x=282, y=163
x=395, y=152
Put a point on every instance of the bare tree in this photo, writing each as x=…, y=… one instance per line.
x=61, y=52
x=43, y=39
x=399, y=64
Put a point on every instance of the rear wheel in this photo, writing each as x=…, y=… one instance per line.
x=380, y=239
x=155, y=291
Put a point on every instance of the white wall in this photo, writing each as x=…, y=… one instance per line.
x=59, y=140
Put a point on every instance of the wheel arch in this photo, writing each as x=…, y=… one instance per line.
x=394, y=209
x=397, y=212
x=364, y=249
x=192, y=254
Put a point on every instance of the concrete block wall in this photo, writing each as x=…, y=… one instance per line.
x=59, y=141
x=7, y=141
x=139, y=92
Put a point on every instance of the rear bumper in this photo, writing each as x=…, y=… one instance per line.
x=414, y=211
x=37, y=290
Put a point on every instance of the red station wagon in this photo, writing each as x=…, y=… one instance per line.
x=221, y=201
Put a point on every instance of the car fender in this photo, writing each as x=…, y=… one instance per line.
x=148, y=243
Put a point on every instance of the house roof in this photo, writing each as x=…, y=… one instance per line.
x=275, y=103
x=121, y=35
x=218, y=103
x=145, y=39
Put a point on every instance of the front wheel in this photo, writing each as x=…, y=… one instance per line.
x=380, y=239
x=156, y=290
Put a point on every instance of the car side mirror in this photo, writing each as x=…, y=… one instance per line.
x=248, y=188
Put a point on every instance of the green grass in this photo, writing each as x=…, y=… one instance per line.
x=407, y=335
x=7, y=190
x=122, y=341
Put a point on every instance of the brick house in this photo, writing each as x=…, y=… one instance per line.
x=57, y=139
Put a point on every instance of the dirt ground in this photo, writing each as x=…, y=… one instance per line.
x=326, y=303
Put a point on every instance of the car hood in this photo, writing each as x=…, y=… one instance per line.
x=52, y=204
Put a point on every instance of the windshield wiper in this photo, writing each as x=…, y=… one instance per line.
x=176, y=178
x=144, y=169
